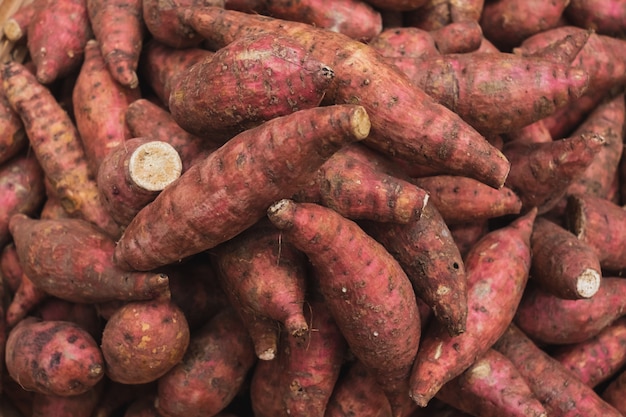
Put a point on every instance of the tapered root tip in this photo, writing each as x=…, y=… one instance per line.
x=588, y=283
x=279, y=213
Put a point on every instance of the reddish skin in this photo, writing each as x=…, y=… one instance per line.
x=356, y=393
x=365, y=288
x=404, y=42
x=265, y=276
x=614, y=393
x=355, y=183
x=464, y=200
x=256, y=168
x=548, y=319
x=164, y=24
x=605, y=17
x=491, y=387
x=119, y=29
x=13, y=139
x=246, y=83
x=560, y=392
x=496, y=271
x=563, y=50
x=162, y=65
x=467, y=234
x=397, y=5
x=81, y=405
x=354, y=18
x=429, y=256
x=507, y=23
x=57, y=35
x=399, y=110
x=560, y=260
x=99, y=104
x=53, y=357
x=72, y=260
x=598, y=222
x=147, y=119
x=458, y=37
x=57, y=146
x=212, y=371
x=263, y=382
x=83, y=314
x=433, y=15
x=21, y=189
x=143, y=340
x=536, y=132
x=598, y=359
x=10, y=268
x=117, y=395
x=530, y=88
x=466, y=10
x=27, y=297
x=541, y=172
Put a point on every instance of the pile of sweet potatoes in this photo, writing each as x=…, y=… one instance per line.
x=313, y=208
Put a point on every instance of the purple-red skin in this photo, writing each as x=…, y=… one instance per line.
x=263, y=382
x=53, y=357
x=26, y=297
x=83, y=314
x=73, y=260
x=431, y=259
x=492, y=387
x=81, y=405
x=212, y=371
x=466, y=235
x=404, y=42
x=99, y=104
x=365, y=288
x=10, y=268
x=548, y=319
x=497, y=271
x=614, y=393
x=598, y=359
x=14, y=137
x=248, y=82
x=119, y=29
x=603, y=16
x=57, y=35
x=560, y=392
x=433, y=15
x=406, y=122
x=536, y=132
x=458, y=37
x=256, y=168
x=21, y=191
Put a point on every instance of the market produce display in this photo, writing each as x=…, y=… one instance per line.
x=312, y=208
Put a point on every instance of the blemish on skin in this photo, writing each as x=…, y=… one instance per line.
x=375, y=334
x=344, y=290
x=439, y=351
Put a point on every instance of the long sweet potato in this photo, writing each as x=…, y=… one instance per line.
x=365, y=288
x=405, y=121
x=53, y=357
x=497, y=269
x=14, y=137
x=234, y=185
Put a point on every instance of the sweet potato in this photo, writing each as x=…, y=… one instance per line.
x=456, y=81
x=21, y=190
x=598, y=222
x=357, y=393
x=548, y=319
x=143, y=340
x=433, y=15
x=264, y=276
x=263, y=382
x=507, y=22
x=211, y=372
x=598, y=359
x=404, y=42
x=133, y=174
x=492, y=386
x=397, y=5
x=497, y=269
x=541, y=172
x=80, y=405
x=560, y=392
x=119, y=29
x=162, y=21
x=466, y=235
x=614, y=393
x=83, y=314
x=236, y=183
x=26, y=297
x=10, y=268
x=458, y=37
x=536, y=132
x=405, y=121
x=425, y=250
x=465, y=200
x=57, y=146
x=603, y=16
x=161, y=65
x=53, y=357
x=73, y=260
x=147, y=119
x=246, y=83
x=562, y=264
x=354, y=18
x=99, y=104
x=14, y=137
x=365, y=288
x=57, y=34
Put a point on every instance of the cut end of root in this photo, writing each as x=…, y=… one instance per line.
x=155, y=165
x=267, y=355
x=588, y=283
x=278, y=213
x=12, y=30
x=361, y=124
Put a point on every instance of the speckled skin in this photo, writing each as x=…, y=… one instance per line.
x=13, y=138
x=497, y=271
x=53, y=357
x=406, y=122
x=560, y=392
x=458, y=37
x=230, y=190
x=365, y=288
x=404, y=42
x=603, y=16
